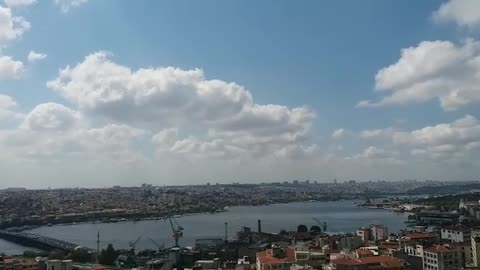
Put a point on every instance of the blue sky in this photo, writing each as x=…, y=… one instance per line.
x=322, y=56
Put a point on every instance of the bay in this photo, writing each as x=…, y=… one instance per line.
x=341, y=216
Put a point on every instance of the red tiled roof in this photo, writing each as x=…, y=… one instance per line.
x=419, y=235
x=346, y=261
x=385, y=261
x=437, y=249
x=364, y=252
x=266, y=257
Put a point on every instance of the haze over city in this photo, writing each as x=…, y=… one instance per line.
x=102, y=93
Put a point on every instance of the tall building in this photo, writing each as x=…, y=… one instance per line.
x=476, y=247
x=365, y=234
x=379, y=232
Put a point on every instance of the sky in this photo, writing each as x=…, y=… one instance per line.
x=96, y=93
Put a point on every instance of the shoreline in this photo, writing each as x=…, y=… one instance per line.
x=135, y=217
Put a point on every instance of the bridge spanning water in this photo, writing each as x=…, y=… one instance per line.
x=37, y=241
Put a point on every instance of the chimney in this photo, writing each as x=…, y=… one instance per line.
x=259, y=226
x=226, y=231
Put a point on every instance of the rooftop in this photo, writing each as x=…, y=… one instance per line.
x=266, y=257
x=437, y=249
x=418, y=235
x=457, y=228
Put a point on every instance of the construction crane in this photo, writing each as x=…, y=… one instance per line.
x=160, y=247
x=177, y=230
x=132, y=245
x=322, y=223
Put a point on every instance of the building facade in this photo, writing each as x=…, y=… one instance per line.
x=455, y=234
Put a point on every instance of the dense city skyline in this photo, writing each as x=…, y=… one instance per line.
x=102, y=93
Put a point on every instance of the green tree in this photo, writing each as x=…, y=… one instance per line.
x=56, y=255
x=302, y=228
x=108, y=256
x=131, y=262
x=82, y=255
x=315, y=229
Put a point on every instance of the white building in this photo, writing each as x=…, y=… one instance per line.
x=455, y=234
x=438, y=257
x=476, y=248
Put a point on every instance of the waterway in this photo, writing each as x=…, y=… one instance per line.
x=341, y=216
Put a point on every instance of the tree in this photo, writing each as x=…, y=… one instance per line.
x=302, y=228
x=28, y=254
x=82, y=255
x=315, y=229
x=283, y=232
x=56, y=255
x=108, y=256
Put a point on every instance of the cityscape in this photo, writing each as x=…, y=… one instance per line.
x=433, y=234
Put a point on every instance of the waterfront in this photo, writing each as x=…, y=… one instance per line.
x=341, y=216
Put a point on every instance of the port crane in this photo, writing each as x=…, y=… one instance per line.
x=322, y=223
x=160, y=247
x=176, y=228
x=132, y=245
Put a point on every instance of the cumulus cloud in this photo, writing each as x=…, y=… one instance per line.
x=11, y=27
x=66, y=5
x=8, y=109
x=373, y=152
x=339, y=133
x=458, y=140
x=433, y=70
x=10, y=68
x=35, y=56
x=18, y=3
x=165, y=97
x=51, y=116
x=376, y=133
x=53, y=132
x=461, y=12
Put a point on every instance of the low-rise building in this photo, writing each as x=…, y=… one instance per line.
x=456, y=234
x=367, y=263
x=441, y=257
x=276, y=258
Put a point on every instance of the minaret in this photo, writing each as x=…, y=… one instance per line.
x=98, y=247
x=226, y=231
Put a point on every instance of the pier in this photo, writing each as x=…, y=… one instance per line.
x=37, y=241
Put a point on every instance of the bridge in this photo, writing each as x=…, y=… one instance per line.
x=37, y=241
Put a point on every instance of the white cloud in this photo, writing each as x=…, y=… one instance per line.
x=339, y=133
x=462, y=12
x=51, y=116
x=10, y=68
x=375, y=133
x=451, y=141
x=35, y=56
x=52, y=132
x=11, y=28
x=158, y=98
x=66, y=5
x=18, y=3
x=373, y=152
x=8, y=109
x=432, y=70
